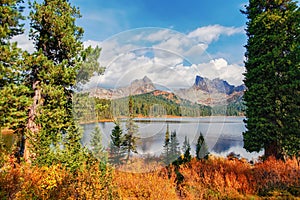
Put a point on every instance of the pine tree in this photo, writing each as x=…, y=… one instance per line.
x=14, y=99
x=186, y=149
x=116, y=146
x=12, y=102
x=51, y=76
x=272, y=78
x=166, y=150
x=89, y=67
x=174, y=146
x=201, y=148
x=96, y=145
x=130, y=138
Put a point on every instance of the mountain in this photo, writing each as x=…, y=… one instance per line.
x=204, y=91
x=138, y=86
x=212, y=92
x=204, y=98
x=160, y=103
x=216, y=86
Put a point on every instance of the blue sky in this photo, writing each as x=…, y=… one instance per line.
x=187, y=38
x=102, y=19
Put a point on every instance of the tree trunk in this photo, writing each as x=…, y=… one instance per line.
x=273, y=150
x=32, y=127
x=128, y=155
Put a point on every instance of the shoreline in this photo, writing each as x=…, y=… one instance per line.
x=141, y=118
x=6, y=131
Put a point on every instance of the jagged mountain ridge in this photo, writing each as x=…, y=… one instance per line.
x=138, y=86
x=212, y=92
x=204, y=91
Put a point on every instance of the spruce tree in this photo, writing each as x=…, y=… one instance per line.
x=51, y=76
x=12, y=101
x=14, y=94
x=186, y=149
x=130, y=138
x=272, y=78
x=201, y=148
x=96, y=144
x=166, y=151
x=174, y=146
x=116, y=145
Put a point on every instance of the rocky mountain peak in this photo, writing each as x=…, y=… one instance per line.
x=198, y=80
x=146, y=79
x=216, y=85
x=142, y=81
x=141, y=86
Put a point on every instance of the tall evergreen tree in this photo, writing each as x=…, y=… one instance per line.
x=130, y=138
x=186, y=149
x=13, y=93
x=52, y=72
x=116, y=146
x=96, y=144
x=201, y=147
x=166, y=151
x=272, y=78
x=174, y=146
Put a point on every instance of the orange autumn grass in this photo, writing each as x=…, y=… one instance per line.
x=215, y=178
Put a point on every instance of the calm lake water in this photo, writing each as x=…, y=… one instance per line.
x=223, y=135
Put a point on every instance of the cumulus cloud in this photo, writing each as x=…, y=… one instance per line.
x=219, y=68
x=159, y=36
x=212, y=33
x=24, y=42
x=170, y=73
x=92, y=43
x=167, y=57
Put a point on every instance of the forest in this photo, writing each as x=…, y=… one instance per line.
x=89, y=109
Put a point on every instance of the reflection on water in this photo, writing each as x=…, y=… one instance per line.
x=222, y=134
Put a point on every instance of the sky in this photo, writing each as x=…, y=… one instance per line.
x=169, y=41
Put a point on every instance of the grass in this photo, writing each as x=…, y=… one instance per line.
x=215, y=178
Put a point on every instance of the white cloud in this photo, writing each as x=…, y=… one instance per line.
x=212, y=33
x=170, y=73
x=163, y=55
x=92, y=43
x=159, y=36
x=219, y=68
x=24, y=42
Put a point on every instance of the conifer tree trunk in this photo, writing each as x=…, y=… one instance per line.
x=32, y=127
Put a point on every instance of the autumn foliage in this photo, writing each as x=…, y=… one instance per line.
x=55, y=182
x=219, y=178
x=215, y=178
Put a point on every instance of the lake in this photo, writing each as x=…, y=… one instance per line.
x=223, y=135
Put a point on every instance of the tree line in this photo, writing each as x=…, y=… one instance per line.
x=89, y=109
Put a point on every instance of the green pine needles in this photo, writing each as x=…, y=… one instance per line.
x=272, y=78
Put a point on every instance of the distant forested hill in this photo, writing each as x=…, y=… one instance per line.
x=161, y=103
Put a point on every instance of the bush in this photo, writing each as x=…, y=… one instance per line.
x=55, y=182
x=215, y=178
x=223, y=178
